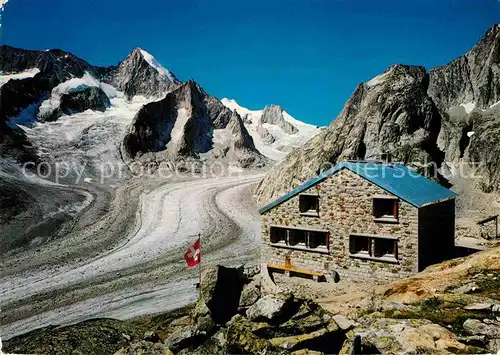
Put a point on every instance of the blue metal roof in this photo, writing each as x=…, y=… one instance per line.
x=394, y=178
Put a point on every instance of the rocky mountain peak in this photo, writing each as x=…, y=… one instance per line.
x=55, y=64
x=472, y=79
x=141, y=74
x=417, y=116
x=274, y=115
x=189, y=124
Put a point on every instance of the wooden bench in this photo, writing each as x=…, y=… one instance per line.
x=317, y=276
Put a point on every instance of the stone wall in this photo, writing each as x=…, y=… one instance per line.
x=346, y=206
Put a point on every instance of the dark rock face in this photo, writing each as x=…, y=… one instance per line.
x=55, y=67
x=417, y=117
x=182, y=126
x=91, y=98
x=13, y=143
x=474, y=77
x=16, y=95
x=274, y=115
x=56, y=64
x=135, y=76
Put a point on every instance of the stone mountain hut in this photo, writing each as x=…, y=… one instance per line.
x=361, y=221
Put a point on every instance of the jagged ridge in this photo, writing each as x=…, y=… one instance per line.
x=417, y=116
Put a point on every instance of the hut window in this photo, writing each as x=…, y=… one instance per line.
x=278, y=235
x=359, y=244
x=309, y=204
x=297, y=237
x=373, y=247
x=385, y=208
x=317, y=240
x=385, y=248
x=303, y=239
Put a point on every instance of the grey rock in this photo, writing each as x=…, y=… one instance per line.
x=90, y=98
x=205, y=324
x=202, y=316
x=249, y=295
x=494, y=346
x=151, y=336
x=182, y=338
x=479, y=307
x=274, y=115
x=265, y=135
x=221, y=289
x=398, y=336
x=343, y=322
x=270, y=307
x=474, y=340
x=467, y=288
x=473, y=77
x=476, y=327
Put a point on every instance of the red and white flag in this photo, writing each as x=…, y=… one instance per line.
x=193, y=254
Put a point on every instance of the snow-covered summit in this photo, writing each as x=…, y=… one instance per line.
x=274, y=131
x=156, y=65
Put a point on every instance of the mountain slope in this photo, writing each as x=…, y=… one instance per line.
x=273, y=130
x=418, y=117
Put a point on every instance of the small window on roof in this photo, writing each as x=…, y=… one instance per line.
x=385, y=208
x=309, y=204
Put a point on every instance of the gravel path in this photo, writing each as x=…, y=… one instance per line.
x=143, y=271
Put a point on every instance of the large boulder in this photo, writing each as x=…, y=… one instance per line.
x=271, y=308
x=202, y=317
x=186, y=337
x=396, y=336
x=476, y=327
x=250, y=294
x=240, y=338
x=221, y=289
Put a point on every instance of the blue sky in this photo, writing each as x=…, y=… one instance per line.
x=306, y=55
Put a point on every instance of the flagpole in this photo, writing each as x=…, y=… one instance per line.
x=199, y=267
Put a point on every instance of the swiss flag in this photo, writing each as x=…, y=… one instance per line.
x=193, y=254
